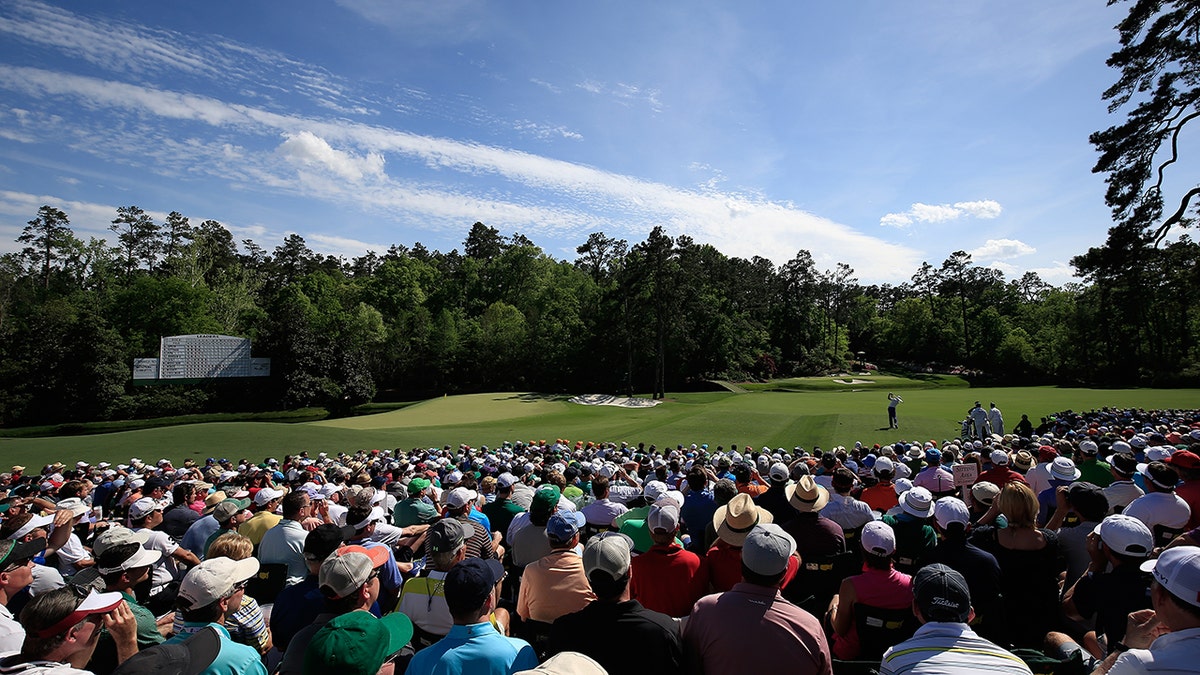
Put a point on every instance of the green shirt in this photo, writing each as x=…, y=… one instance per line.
x=414, y=511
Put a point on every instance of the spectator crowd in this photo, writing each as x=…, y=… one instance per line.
x=1070, y=547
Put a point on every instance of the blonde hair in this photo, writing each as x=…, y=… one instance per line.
x=1018, y=503
x=231, y=545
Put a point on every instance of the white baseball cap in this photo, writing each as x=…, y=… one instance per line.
x=1178, y=571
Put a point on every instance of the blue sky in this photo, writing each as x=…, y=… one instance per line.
x=880, y=134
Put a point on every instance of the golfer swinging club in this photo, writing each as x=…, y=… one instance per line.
x=893, y=401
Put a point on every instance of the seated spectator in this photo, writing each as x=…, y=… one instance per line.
x=284, y=543
x=1160, y=508
x=16, y=574
x=209, y=594
x=751, y=628
x=357, y=643
x=266, y=500
x=528, y=542
x=1079, y=510
x=1001, y=472
x=978, y=567
x=914, y=536
x=62, y=631
x=667, y=578
x=614, y=618
x=556, y=583
x=1187, y=464
x=1113, y=587
x=879, y=585
x=945, y=642
x=503, y=509
x=423, y=598
x=1122, y=490
x=849, y=513
x=881, y=497
x=1167, y=637
x=229, y=515
x=1031, y=561
x=473, y=644
x=246, y=623
x=602, y=512
x=415, y=510
x=296, y=606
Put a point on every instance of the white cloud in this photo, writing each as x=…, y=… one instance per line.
x=1001, y=249
x=545, y=131
x=308, y=149
x=327, y=244
x=68, y=180
x=939, y=213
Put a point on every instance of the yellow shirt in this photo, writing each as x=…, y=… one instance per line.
x=257, y=526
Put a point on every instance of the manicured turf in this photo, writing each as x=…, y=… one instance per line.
x=774, y=419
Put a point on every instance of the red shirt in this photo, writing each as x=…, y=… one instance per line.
x=1189, y=491
x=725, y=567
x=1001, y=476
x=669, y=579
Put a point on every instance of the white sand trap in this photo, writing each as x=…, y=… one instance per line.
x=605, y=399
x=854, y=381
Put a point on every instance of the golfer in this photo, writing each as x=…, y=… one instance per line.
x=893, y=401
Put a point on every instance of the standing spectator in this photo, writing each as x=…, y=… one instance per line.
x=893, y=401
x=1166, y=638
x=667, y=578
x=473, y=644
x=945, y=642
x=1024, y=428
x=751, y=628
x=979, y=421
x=613, y=618
x=996, y=420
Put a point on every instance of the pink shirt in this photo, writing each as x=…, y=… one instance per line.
x=886, y=589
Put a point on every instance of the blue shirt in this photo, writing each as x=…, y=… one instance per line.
x=697, y=512
x=198, y=533
x=233, y=659
x=477, y=649
x=481, y=518
x=295, y=607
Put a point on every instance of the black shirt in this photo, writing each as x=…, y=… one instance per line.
x=624, y=637
x=1111, y=597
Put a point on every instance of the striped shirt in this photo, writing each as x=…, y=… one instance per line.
x=949, y=649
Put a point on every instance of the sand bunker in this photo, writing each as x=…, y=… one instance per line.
x=605, y=399
x=853, y=381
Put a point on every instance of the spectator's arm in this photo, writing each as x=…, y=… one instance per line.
x=1061, y=509
x=61, y=531
x=841, y=611
x=185, y=556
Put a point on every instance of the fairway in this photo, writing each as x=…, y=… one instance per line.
x=773, y=419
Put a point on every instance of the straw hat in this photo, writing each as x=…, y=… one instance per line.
x=735, y=520
x=806, y=495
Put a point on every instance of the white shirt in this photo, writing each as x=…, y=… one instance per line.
x=948, y=649
x=1039, y=478
x=12, y=633
x=1120, y=494
x=165, y=570
x=602, y=511
x=71, y=553
x=1168, y=654
x=1160, y=508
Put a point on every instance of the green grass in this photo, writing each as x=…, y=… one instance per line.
x=774, y=419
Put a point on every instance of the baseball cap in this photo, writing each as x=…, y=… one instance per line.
x=884, y=465
x=999, y=457
x=192, y=656
x=93, y=603
x=344, y=572
x=1184, y=459
x=1124, y=463
x=214, y=579
x=506, y=480
x=949, y=510
x=460, y=497
x=545, y=499
x=664, y=516
x=142, y=508
x=878, y=538
x=265, y=495
x=470, y=582
x=565, y=524
x=942, y=594
x=779, y=472
x=418, y=485
x=933, y=455
x=123, y=556
x=984, y=492
x=117, y=535
x=566, y=663
x=1125, y=535
x=229, y=508
x=654, y=489
x=1178, y=571
x=1160, y=474
x=767, y=549
x=608, y=552
x=356, y=643
x=448, y=535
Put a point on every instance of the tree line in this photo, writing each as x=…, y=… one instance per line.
x=662, y=314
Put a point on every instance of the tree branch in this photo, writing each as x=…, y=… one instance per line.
x=1175, y=217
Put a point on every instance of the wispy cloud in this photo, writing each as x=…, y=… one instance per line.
x=624, y=93
x=545, y=131
x=940, y=213
x=1001, y=249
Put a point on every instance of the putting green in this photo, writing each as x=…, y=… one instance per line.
x=773, y=419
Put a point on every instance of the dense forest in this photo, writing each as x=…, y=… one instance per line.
x=661, y=314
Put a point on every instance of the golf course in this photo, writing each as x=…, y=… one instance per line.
x=807, y=412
